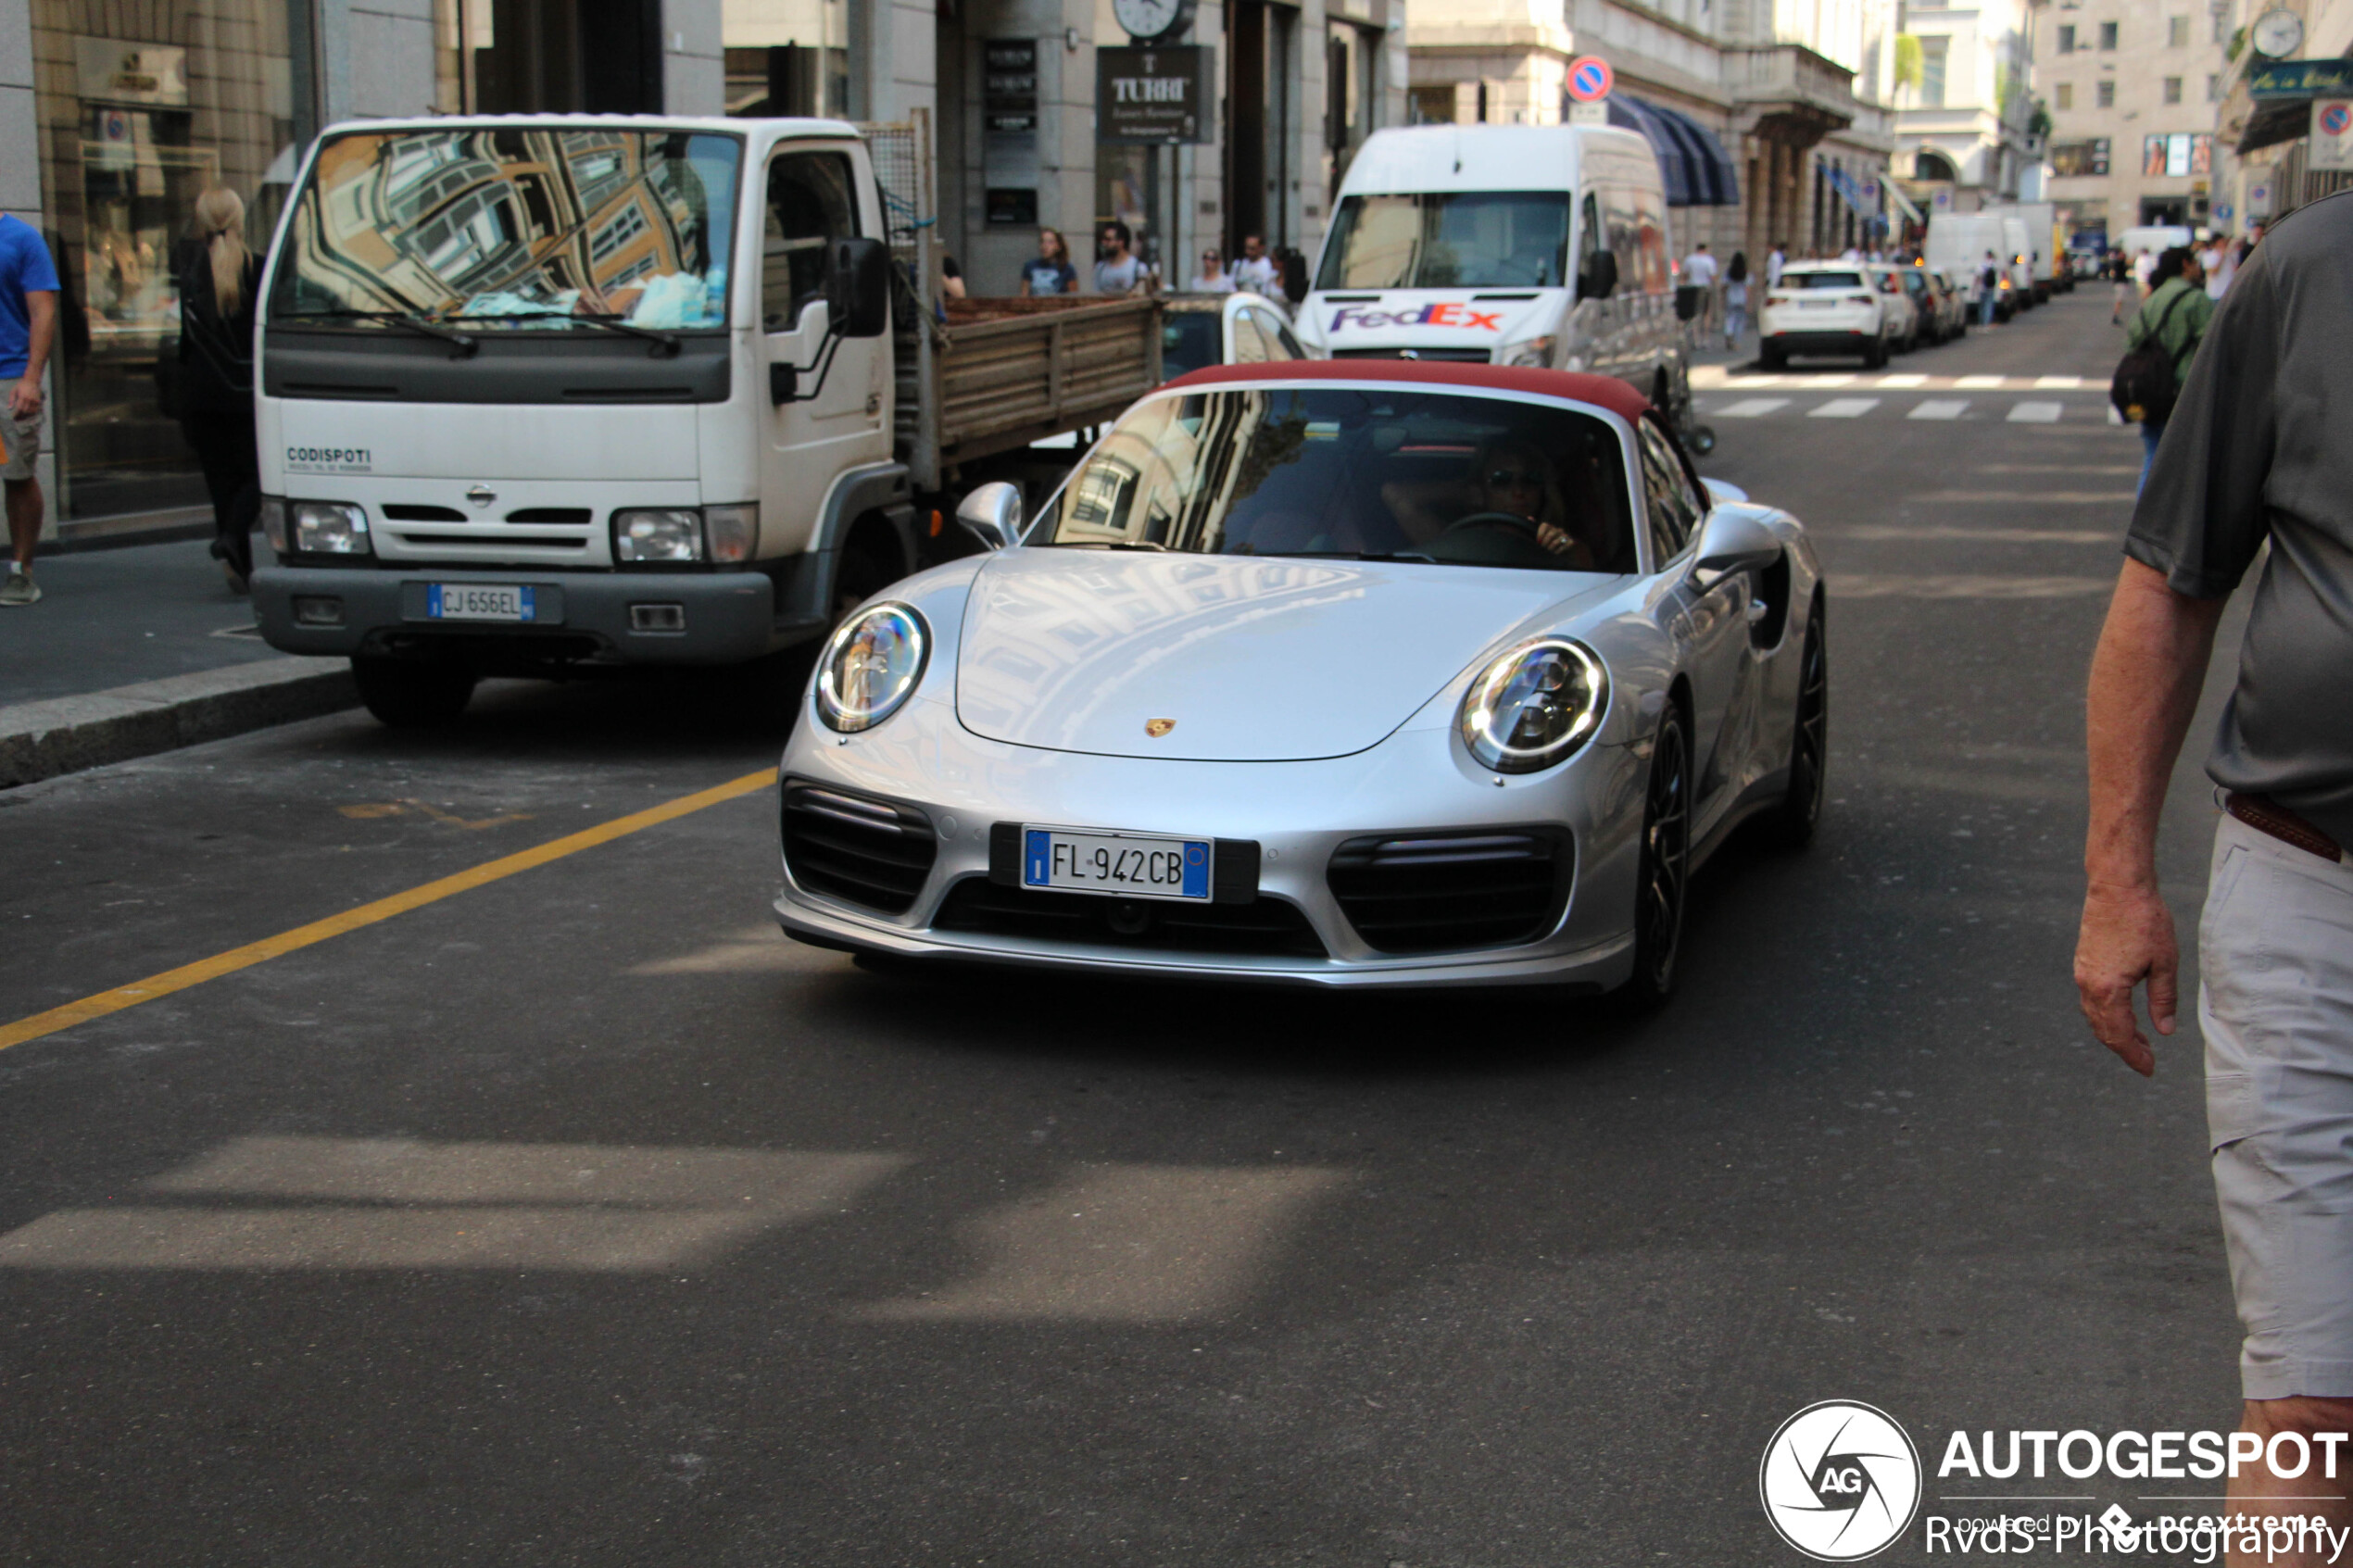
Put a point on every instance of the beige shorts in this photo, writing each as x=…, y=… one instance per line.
x=23, y=439
x=2275, y=999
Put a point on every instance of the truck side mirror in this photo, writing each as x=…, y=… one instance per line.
x=858, y=287
x=993, y=514
x=1598, y=279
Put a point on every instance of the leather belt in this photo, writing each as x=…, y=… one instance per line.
x=2266, y=816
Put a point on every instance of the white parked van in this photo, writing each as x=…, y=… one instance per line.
x=1959, y=244
x=1506, y=244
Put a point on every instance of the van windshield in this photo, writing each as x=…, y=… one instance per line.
x=1449, y=239
x=516, y=228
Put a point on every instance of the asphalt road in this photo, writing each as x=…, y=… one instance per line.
x=576, y=1218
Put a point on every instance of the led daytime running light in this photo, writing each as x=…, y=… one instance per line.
x=1535, y=705
x=871, y=666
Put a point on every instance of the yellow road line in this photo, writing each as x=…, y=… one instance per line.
x=302, y=936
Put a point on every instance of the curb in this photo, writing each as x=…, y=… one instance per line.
x=40, y=740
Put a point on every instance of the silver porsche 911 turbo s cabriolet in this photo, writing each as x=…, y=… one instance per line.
x=1376, y=673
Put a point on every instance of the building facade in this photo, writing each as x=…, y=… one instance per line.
x=2264, y=131
x=116, y=114
x=2131, y=88
x=1965, y=126
x=1788, y=96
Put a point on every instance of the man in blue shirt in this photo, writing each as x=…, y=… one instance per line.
x=27, y=326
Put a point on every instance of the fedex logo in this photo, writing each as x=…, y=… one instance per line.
x=1452, y=314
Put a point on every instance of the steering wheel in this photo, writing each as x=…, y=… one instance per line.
x=1517, y=524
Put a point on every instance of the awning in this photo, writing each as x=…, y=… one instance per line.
x=1900, y=202
x=1697, y=172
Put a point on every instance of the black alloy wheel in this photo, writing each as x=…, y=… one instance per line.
x=1662, y=883
x=1809, y=753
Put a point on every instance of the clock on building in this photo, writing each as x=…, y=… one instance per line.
x=2277, y=34
x=1152, y=21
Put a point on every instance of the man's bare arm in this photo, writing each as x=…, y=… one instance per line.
x=41, y=310
x=2145, y=678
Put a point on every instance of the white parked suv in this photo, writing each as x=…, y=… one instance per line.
x=1831, y=308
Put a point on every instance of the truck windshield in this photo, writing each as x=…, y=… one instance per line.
x=553, y=230
x=1447, y=239
x=1390, y=473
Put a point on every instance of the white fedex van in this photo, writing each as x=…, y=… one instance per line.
x=1506, y=244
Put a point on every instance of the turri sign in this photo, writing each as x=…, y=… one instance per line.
x=1152, y=96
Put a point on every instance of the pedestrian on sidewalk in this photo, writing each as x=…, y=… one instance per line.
x=217, y=277
x=2174, y=317
x=2120, y=274
x=1050, y=271
x=1989, y=289
x=1698, y=272
x=27, y=326
x=1736, y=299
x=1775, y=260
x=2254, y=453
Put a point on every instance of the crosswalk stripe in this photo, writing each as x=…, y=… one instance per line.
x=1905, y=381
x=2031, y=413
x=1844, y=408
x=2058, y=384
x=1743, y=383
x=1751, y=408
x=1829, y=380
x=1939, y=408
x=1978, y=384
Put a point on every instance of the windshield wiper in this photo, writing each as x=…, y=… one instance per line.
x=463, y=341
x=668, y=341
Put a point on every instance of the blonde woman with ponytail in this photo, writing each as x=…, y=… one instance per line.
x=218, y=276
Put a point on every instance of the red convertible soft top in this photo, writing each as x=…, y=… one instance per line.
x=1607, y=392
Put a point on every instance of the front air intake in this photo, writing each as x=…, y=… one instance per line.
x=1435, y=893
x=857, y=848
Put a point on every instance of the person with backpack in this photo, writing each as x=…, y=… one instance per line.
x=2159, y=343
x=1988, y=290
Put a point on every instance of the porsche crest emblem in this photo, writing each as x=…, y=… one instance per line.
x=1158, y=727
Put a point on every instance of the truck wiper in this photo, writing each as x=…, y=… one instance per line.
x=668, y=340
x=464, y=342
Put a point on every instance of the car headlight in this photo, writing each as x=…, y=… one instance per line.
x=1535, y=705
x=870, y=667
x=1536, y=352
x=331, y=528
x=658, y=533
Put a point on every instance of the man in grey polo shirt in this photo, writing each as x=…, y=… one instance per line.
x=2255, y=451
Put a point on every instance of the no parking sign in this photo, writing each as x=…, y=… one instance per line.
x=2332, y=134
x=1590, y=79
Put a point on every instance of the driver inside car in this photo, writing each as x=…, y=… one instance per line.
x=1511, y=484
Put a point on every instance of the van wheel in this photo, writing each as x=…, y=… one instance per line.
x=412, y=694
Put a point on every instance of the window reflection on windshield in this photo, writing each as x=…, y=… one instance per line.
x=1438, y=240
x=520, y=227
x=1331, y=471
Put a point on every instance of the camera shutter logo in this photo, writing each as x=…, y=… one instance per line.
x=1841, y=1481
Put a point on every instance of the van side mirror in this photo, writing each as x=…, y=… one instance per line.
x=993, y=514
x=1598, y=278
x=858, y=287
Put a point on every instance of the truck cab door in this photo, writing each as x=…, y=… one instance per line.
x=836, y=418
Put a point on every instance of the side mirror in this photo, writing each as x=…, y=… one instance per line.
x=858, y=287
x=1598, y=279
x=993, y=514
x=1722, y=490
x=1734, y=540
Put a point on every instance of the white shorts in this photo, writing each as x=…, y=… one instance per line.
x=2276, y=1001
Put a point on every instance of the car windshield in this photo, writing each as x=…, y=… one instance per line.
x=1439, y=240
x=1821, y=280
x=554, y=228
x=1382, y=473
x=1188, y=340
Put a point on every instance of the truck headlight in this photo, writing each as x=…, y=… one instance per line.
x=1536, y=352
x=1535, y=705
x=331, y=528
x=658, y=533
x=732, y=532
x=870, y=667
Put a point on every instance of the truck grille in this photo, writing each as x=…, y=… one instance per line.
x=1430, y=893
x=855, y=848
x=1265, y=927
x=1441, y=356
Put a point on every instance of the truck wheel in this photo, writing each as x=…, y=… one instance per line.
x=859, y=578
x=412, y=694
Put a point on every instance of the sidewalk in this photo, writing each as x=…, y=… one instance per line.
x=137, y=650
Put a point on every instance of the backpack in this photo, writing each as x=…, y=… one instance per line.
x=2144, y=387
